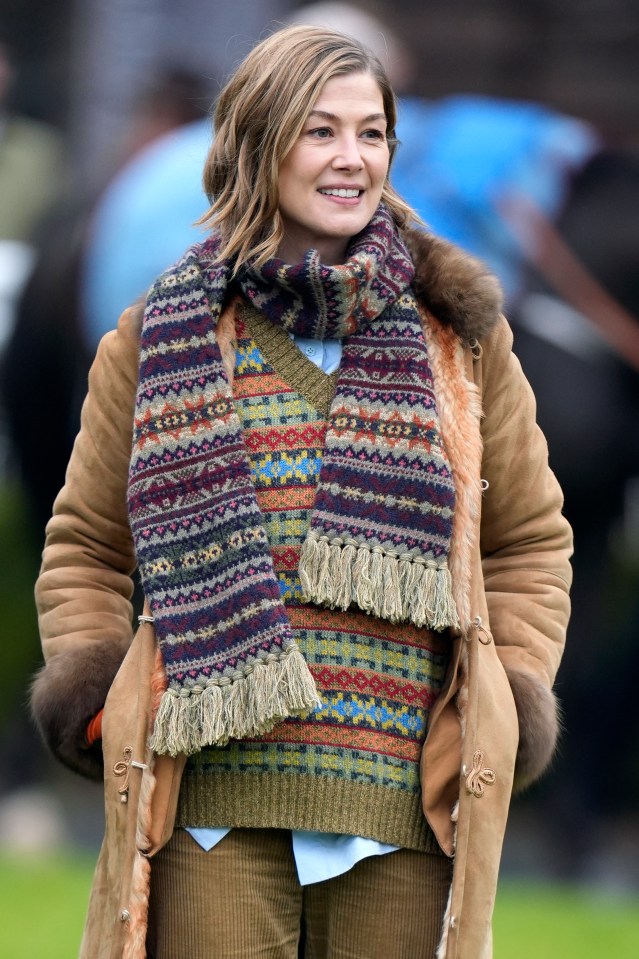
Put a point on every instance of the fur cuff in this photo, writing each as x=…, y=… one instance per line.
x=538, y=714
x=66, y=694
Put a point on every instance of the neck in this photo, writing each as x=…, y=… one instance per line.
x=312, y=297
x=331, y=252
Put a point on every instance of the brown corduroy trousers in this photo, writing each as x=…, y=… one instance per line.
x=243, y=900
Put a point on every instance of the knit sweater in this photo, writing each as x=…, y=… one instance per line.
x=351, y=766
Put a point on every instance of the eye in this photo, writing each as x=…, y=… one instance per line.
x=320, y=133
x=374, y=134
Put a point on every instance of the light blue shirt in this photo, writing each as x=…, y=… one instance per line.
x=326, y=354
x=318, y=855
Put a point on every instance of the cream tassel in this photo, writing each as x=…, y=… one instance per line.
x=392, y=598
x=431, y=600
x=409, y=577
x=362, y=583
x=333, y=583
x=406, y=567
x=211, y=708
x=309, y=566
x=300, y=691
x=445, y=611
x=236, y=713
x=417, y=597
x=321, y=583
x=246, y=704
x=395, y=589
x=344, y=593
x=377, y=581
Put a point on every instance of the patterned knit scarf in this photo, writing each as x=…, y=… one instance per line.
x=381, y=525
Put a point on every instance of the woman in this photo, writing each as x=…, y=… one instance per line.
x=356, y=581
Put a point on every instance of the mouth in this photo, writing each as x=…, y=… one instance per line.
x=342, y=192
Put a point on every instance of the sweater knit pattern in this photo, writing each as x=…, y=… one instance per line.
x=352, y=764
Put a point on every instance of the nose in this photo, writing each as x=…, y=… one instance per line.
x=348, y=155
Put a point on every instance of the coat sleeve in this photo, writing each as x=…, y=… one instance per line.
x=83, y=593
x=526, y=544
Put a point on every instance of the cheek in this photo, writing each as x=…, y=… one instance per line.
x=291, y=181
x=382, y=166
x=287, y=190
x=382, y=172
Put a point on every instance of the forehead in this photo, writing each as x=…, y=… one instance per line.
x=351, y=92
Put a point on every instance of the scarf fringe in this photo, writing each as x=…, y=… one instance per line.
x=238, y=707
x=398, y=589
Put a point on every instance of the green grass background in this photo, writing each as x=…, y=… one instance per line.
x=43, y=902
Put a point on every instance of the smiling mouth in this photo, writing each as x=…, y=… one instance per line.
x=350, y=194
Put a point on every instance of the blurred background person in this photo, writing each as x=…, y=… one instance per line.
x=32, y=177
x=31, y=161
x=49, y=352
x=31, y=174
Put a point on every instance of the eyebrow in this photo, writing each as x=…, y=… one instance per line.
x=333, y=116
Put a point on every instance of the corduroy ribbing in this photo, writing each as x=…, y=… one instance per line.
x=240, y=900
x=386, y=907
x=243, y=898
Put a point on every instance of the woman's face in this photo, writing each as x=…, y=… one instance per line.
x=331, y=181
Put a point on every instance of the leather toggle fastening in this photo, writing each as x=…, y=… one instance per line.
x=480, y=776
x=483, y=635
x=123, y=768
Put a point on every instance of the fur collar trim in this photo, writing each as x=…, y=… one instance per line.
x=457, y=288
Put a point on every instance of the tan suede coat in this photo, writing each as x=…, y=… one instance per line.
x=496, y=718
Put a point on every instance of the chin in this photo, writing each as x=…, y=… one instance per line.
x=350, y=227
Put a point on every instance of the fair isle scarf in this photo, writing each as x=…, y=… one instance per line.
x=381, y=525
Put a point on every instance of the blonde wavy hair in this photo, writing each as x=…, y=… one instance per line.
x=258, y=117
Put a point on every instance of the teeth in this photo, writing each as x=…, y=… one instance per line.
x=344, y=193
